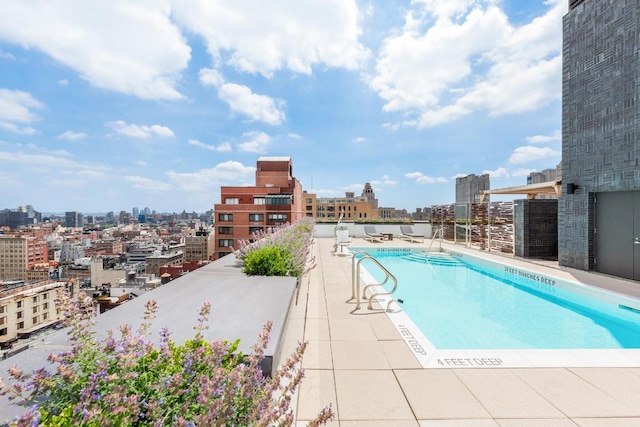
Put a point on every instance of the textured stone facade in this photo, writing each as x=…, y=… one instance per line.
x=536, y=229
x=600, y=151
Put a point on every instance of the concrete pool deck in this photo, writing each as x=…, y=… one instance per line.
x=358, y=362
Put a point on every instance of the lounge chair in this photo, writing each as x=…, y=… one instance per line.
x=406, y=233
x=371, y=234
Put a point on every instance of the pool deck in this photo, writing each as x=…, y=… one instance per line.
x=358, y=362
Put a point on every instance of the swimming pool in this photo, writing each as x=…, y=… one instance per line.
x=462, y=302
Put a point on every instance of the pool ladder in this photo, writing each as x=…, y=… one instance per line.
x=355, y=281
x=433, y=237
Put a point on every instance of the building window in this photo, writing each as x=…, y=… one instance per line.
x=45, y=306
x=254, y=230
x=3, y=331
x=258, y=200
x=225, y=243
x=2, y=309
x=2, y=320
x=19, y=315
x=35, y=309
x=231, y=201
x=45, y=316
x=34, y=320
x=225, y=230
x=225, y=217
x=286, y=200
x=278, y=217
x=19, y=304
x=20, y=325
x=35, y=300
x=45, y=296
x=256, y=217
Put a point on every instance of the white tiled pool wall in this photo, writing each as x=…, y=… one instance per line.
x=433, y=358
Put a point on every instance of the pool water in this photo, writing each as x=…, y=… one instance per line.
x=460, y=305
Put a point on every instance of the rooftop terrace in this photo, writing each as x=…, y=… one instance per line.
x=359, y=363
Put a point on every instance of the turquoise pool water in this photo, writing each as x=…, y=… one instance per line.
x=459, y=304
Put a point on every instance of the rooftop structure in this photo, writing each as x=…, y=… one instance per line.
x=600, y=128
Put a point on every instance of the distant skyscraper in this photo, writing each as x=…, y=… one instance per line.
x=135, y=212
x=73, y=219
x=468, y=188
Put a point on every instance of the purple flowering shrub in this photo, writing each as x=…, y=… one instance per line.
x=128, y=381
x=282, y=251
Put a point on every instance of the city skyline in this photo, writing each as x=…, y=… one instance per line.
x=120, y=104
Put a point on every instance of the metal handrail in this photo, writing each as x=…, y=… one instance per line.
x=355, y=281
x=335, y=230
x=441, y=229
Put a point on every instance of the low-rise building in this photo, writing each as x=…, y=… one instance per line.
x=20, y=254
x=352, y=208
x=26, y=307
x=154, y=262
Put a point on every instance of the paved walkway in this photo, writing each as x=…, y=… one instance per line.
x=358, y=363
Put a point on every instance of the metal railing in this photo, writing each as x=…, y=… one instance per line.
x=355, y=281
x=433, y=237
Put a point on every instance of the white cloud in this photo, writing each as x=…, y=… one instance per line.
x=522, y=172
x=498, y=173
x=257, y=142
x=286, y=36
x=257, y=107
x=226, y=173
x=6, y=55
x=359, y=139
x=20, y=130
x=40, y=149
x=224, y=147
x=72, y=136
x=16, y=109
x=141, y=163
x=128, y=47
x=529, y=154
x=420, y=178
x=63, y=82
x=294, y=136
x=456, y=57
x=543, y=139
x=148, y=184
x=210, y=77
x=140, y=131
x=45, y=160
x=385, y=180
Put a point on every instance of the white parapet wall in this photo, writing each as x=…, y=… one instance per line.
x=357, y=230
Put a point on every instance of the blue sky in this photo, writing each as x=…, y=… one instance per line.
x=110, y=104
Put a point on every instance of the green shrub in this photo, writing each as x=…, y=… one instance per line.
x=267, y=261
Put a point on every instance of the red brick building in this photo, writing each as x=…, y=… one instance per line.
x=275, y=199
x=175, y=271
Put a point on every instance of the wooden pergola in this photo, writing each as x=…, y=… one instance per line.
x=532, y=190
